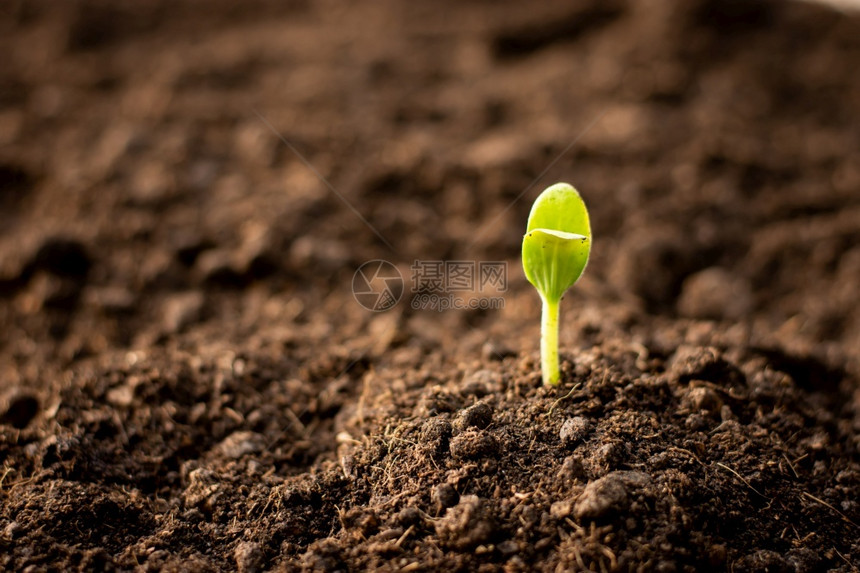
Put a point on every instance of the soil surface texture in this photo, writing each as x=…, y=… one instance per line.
x=188, y=383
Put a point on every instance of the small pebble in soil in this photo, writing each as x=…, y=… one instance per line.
x=609, y=494
x=479, y=416
x=702, y=398
x=571, y=468
x=435, y=435
x=465, y=525
x=411, y=515
x=700, y=363
x=607, y=456
x=445, y=496
x=574, y=430
x=249, y=557
x=473, y=445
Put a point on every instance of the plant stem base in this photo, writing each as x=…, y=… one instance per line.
x=549, y=342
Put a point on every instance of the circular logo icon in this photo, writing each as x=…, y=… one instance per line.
x=377, y=285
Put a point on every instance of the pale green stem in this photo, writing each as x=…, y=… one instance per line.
x=549, y=342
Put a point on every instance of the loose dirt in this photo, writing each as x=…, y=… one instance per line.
x=188, y=384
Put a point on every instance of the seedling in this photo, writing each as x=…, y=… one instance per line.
x=555, y=250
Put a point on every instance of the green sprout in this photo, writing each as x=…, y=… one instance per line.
x=555, y=251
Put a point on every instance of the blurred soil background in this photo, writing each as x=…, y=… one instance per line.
x=188, y=383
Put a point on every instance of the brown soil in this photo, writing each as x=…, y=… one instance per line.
x=187, y=383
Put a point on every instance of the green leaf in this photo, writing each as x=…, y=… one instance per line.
x=555, y=250
x=557, y=241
